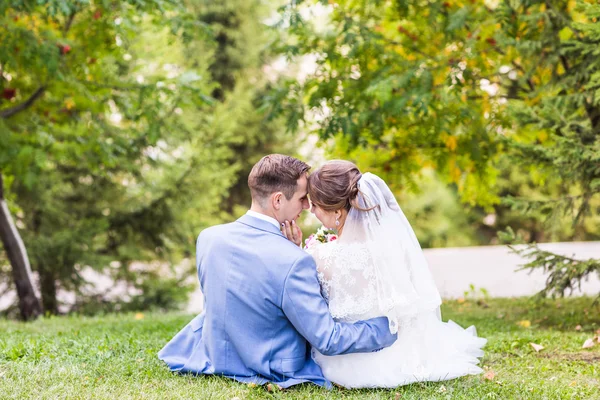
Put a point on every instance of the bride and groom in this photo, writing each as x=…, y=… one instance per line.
x=360, y=311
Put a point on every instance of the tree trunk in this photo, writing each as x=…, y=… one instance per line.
x=48, y=289
x=29, y=304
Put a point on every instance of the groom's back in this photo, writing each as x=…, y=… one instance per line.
x=242, y=270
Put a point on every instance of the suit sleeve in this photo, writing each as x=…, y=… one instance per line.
x=304, y=306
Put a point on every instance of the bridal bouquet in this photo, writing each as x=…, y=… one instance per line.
x=322, y=235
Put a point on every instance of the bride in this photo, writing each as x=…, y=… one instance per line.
x=376, y=268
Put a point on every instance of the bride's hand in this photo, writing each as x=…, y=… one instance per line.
x=292, y=232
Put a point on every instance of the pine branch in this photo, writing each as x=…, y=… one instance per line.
x=565, y=273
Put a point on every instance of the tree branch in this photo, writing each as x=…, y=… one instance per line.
x=565, y=63
x=9, y=112
x=69, y=23
x=115, y=86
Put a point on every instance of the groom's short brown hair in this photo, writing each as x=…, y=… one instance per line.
x=275, y=173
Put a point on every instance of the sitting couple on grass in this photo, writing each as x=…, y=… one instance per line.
x=359, y=311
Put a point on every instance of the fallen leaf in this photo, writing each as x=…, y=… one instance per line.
x=252, y=385
x=578, y=328
x=460, y=300
x=397, y=396
x=139, y=316
x=573, y=383
x=489, y=375
x=524, y=323
x=536, y=347
x=588, y=343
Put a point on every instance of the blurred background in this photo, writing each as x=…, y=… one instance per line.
x=127, y=127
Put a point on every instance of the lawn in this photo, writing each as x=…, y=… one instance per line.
x=114, y=356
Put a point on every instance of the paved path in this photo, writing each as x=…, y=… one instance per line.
x=493, y=268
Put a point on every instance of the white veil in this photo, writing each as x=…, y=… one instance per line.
x=405, y=286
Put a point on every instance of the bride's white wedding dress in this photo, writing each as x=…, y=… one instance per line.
x=376, y=268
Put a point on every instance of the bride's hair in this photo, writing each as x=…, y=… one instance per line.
x=334, y=186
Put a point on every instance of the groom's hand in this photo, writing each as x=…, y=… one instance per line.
x=293, y=232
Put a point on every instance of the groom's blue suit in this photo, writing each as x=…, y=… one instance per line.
x=263, y=307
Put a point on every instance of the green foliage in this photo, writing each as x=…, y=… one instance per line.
x=564, y=108
x=401, y=84
x=107, y=145
x=244, y=46
x=114, y=356
x=500, y=98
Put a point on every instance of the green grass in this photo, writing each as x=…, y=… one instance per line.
x=114, y=356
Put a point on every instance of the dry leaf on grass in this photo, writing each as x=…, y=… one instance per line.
x=536, y=347
x=397, y=396
x=588, y=343
x=489, y=375
x=525, y=323
x=139, y=316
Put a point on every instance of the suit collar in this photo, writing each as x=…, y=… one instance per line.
x=264, y=217
x=259, y=224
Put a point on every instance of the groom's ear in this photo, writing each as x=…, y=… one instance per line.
x=276, y=199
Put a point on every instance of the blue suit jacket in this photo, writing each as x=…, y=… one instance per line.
x=263, y=307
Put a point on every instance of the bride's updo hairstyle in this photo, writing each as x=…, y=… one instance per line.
x=334, y=186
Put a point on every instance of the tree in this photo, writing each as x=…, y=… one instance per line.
x=566, y=109
x=398, y=82
x=243, y=48
x=29, y=304
x=101, y=144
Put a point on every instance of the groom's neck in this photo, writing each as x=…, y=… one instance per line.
x=257, y=208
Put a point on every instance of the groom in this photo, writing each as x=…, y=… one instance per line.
x=263, y=306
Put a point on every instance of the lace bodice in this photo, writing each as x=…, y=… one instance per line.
x=347, y=279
